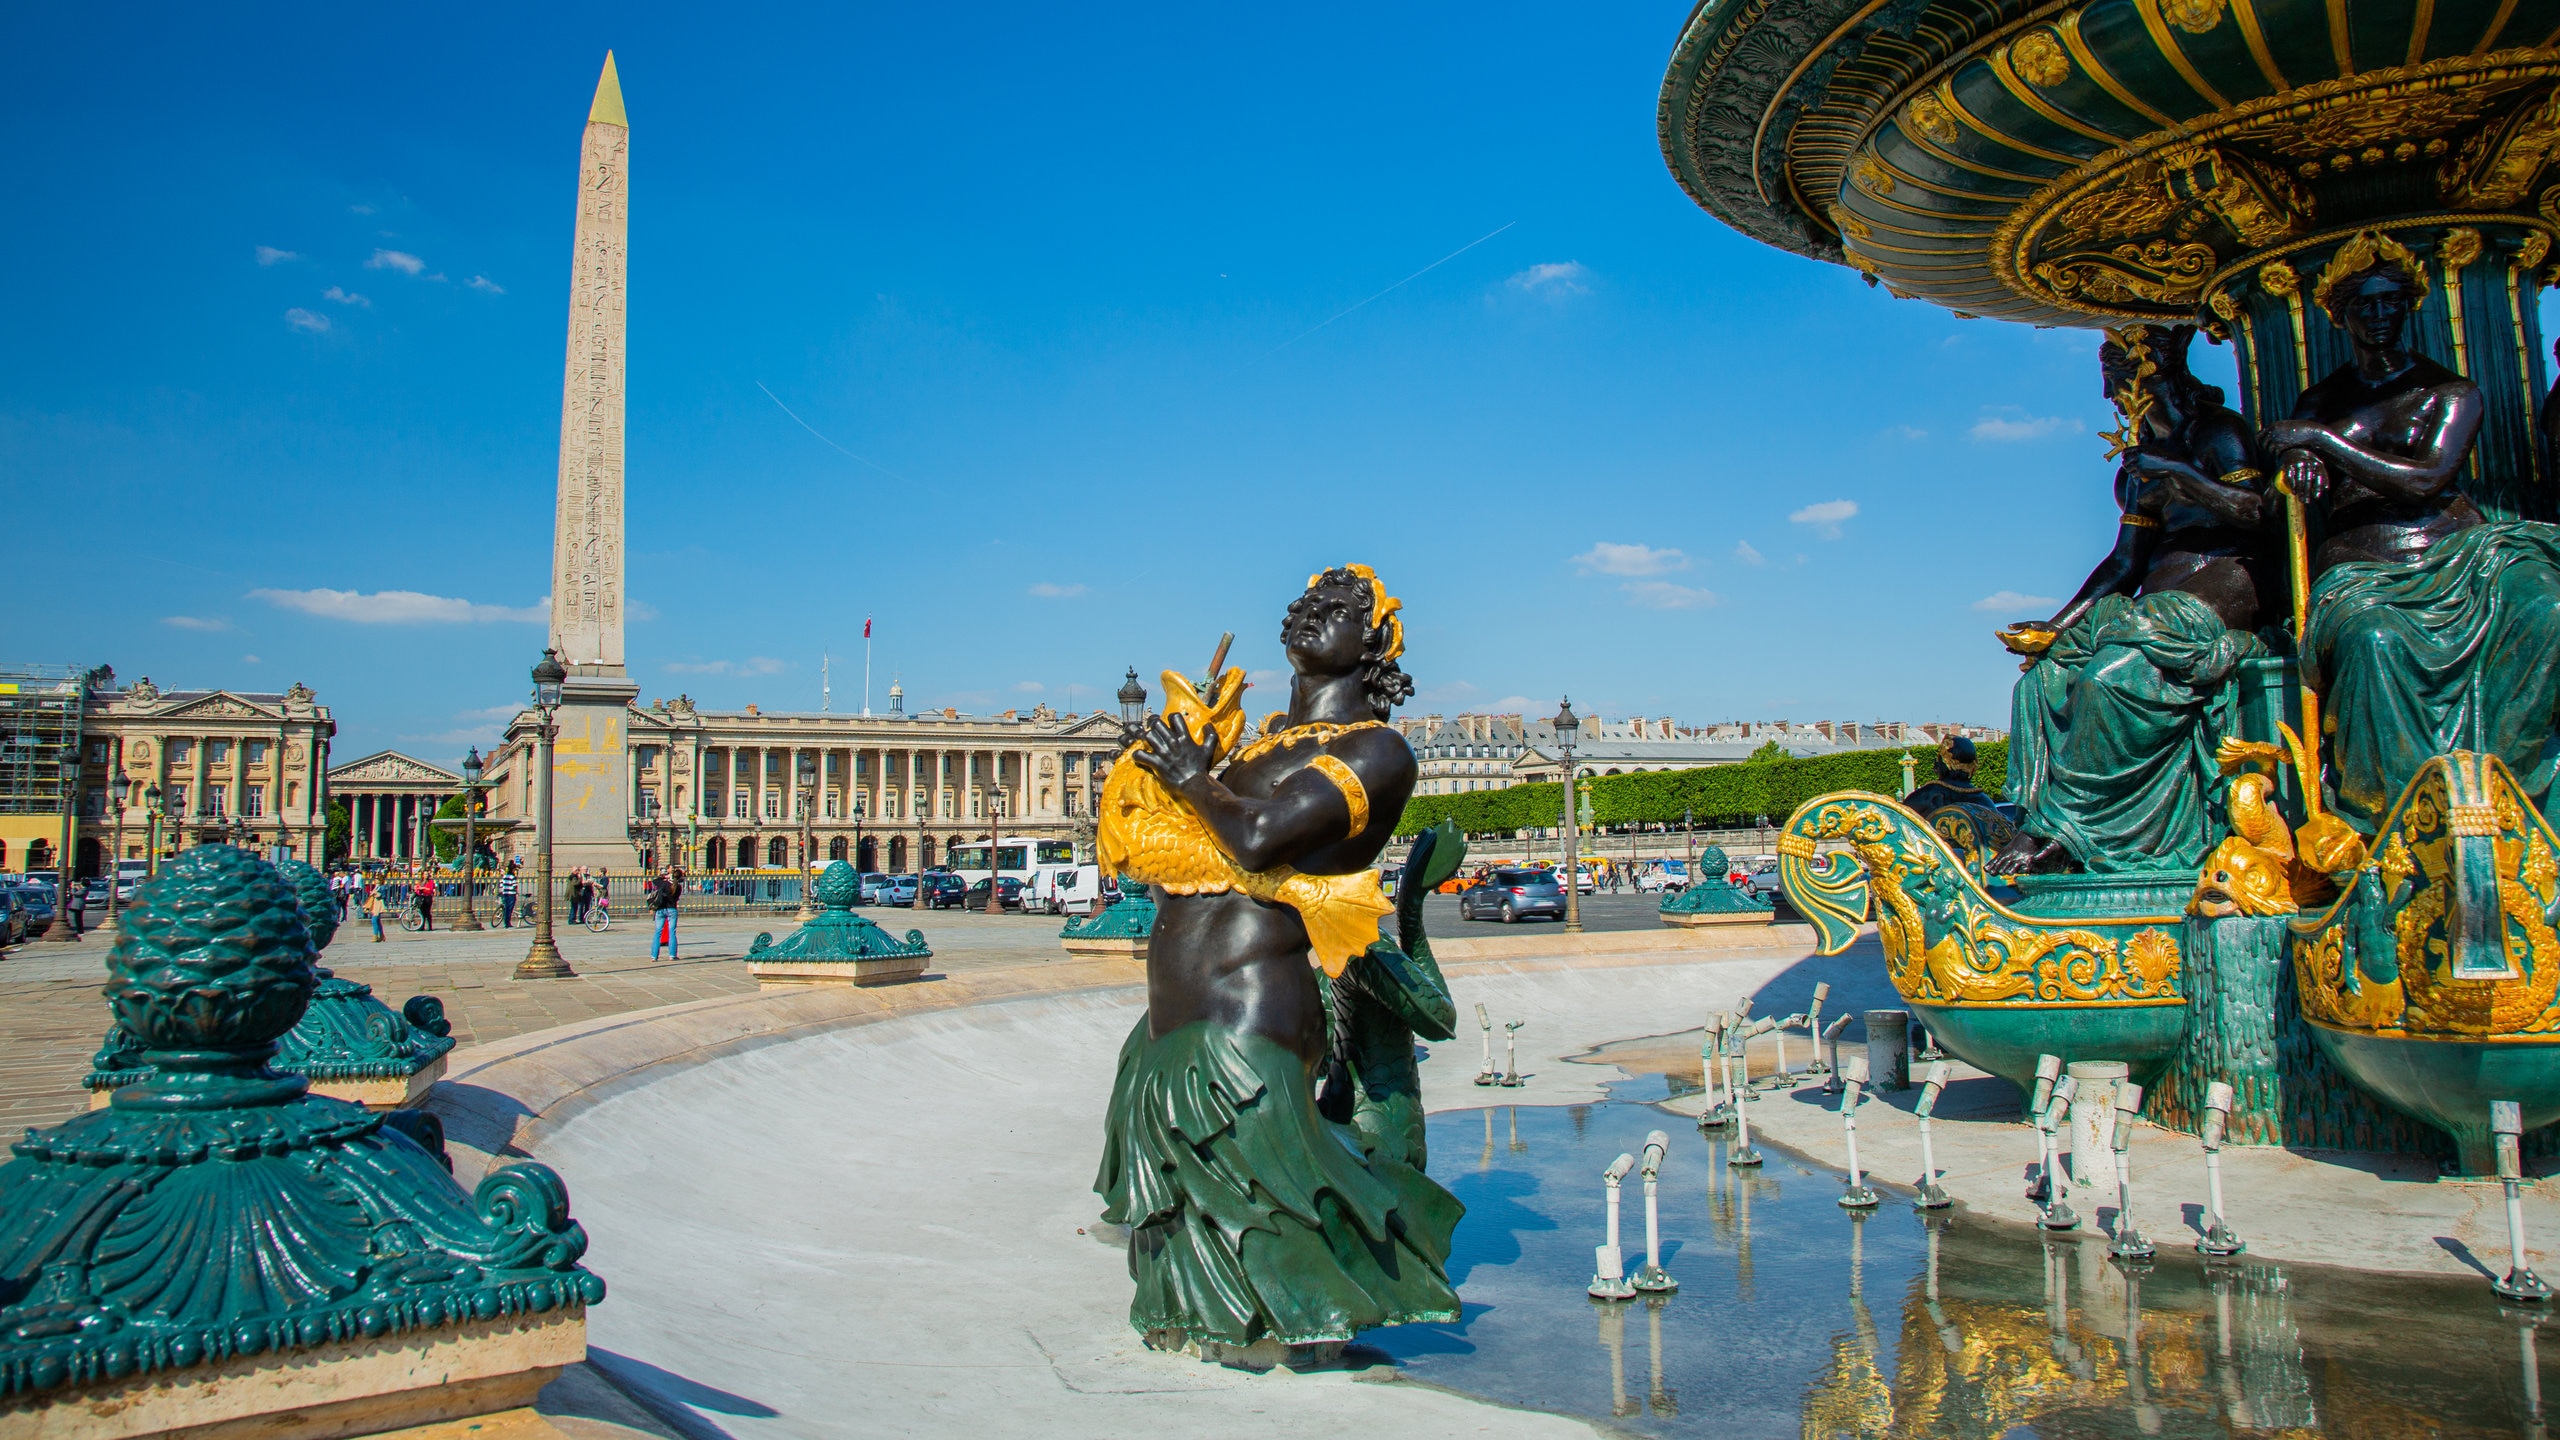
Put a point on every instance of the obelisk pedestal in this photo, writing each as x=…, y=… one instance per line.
x=590, y=823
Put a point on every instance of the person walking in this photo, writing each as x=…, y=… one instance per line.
x=664, y=893
x=424, y=893
x=75, y=904
x=507, y=897
x=373, y=908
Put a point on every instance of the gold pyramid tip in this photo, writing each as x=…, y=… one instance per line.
x=608, y=107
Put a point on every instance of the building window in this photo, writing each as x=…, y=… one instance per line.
x=253, y=800
x=834, y=802
x=217, y=752
x=711, y=803
x=182, y=752
x=889, y=804
x=647, y=756
x=777, y=852
x=94, y=803
x=715, y=854
x=836, y=848
x=1069, y=761
x=1071, y=802
x=213, y=800
x=97, y=752
x=738, y=805
x=950, y=807
x=648, y=804
x=973, y=807
x=257, y=751
x=773, y=807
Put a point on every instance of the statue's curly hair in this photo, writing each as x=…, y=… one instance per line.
x=1380, y=676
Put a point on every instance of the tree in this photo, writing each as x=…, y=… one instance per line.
x=1769, y=750
x=341, y=829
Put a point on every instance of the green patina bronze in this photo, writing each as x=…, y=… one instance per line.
x=837, y=933
x=1710, y=893
x=1384, y=999
x=1131, y=917
x=216, y=1210
x=344, y=1034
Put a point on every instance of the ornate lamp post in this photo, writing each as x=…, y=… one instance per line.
x=543, y=961
x=995, y=837
x=151, y=810
x=1569, y=730
x=808, y=797
x=861, y=806
x=471, y=788
x=119, y=787
x=1689, y=842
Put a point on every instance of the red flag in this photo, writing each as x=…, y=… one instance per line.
x=866, y=627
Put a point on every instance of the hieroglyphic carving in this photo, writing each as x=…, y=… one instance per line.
x=586, y=545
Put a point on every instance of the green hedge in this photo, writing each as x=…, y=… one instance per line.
x=1721, y=795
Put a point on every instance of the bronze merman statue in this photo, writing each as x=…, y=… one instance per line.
x=2128, y=686
x=1252, y=1217
x=2430, y=629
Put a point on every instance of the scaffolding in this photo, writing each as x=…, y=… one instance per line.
x=40, y=709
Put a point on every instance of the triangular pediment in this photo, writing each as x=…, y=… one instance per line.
x=221, y=705
x=1093, y=725
x=390, y=766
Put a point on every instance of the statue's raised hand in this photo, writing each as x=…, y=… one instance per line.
x=2306, y=475
x=1173, y=755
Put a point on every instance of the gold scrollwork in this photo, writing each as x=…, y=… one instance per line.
x=1874, y=176
x=2157, y=272
x=2495, y=168
x=2536, y=246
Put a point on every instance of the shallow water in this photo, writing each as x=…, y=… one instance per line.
x=1797, y=1318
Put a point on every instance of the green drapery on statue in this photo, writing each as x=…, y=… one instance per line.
x=2457, y=650
x=1249, y=1214
x=2113, y=731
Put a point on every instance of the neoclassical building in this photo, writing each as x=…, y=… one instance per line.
x=391, y=802
x=244, y=766
x=719, y=790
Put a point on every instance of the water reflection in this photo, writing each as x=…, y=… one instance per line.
x=1796, y=1319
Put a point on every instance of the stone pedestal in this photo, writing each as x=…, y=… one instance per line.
x=1118, y=929
x=591, y=775
x=837, y=947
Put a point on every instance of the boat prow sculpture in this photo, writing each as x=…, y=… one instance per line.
x=2430, y=981
x=1997, y=985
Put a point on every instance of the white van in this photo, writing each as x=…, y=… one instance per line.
x=1064, y=889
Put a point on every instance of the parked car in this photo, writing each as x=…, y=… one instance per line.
x=1068, y=891
x=944, y=891
x=897, y=890
x=1762, y=879
x=1511, y=896
x=1010, y=898
x=871, y=884
x=13, y=917
x=1669, y=880
x=37, y=902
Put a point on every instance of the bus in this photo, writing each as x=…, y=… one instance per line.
x=1019, y=856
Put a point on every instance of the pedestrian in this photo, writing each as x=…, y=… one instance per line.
x=578, y=895
x=507, y=897
x=664, y=893
x=75, y=905
x=425, y=894
x=373, y=910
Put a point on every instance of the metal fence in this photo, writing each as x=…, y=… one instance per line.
x=713, y=892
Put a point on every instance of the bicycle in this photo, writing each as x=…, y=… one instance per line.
x=600, y=915
x=413, y=919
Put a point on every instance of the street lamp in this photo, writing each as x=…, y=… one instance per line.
x=543, y=961
x=808, y=834
x=471, y=771
x=119, y=787
x=1133, y=707
x=1569, y=730
x=151, y=809
x=995, y=837
x=1689, y=841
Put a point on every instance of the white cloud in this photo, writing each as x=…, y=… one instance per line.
x=1663, y=595
x=753, y=665
x=345, y=297
x=1744, y=551
x=1905, y=432
x=489, y=715
x=359, y=209
x=248, y=659
x=270, y=255
x=306, y=321
x=1609, y=558
x=1519, y=705
x=2010, y=602
x=1051, y=590
x=2008, y=428
x=397, y=607
x=483, y=282
x=400, y=260
x=1825, y=516
x=1029, y=687
x=197, y=622
x=637, y=609
x=1555, y=278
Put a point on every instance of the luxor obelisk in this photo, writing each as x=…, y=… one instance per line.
x=591, y=776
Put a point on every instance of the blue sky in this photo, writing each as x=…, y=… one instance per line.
x=1107, y=324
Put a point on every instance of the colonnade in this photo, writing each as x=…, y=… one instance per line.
x=386, y=826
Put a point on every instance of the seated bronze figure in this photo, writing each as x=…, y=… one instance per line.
x=1253, y=1216
x=2128, y=687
